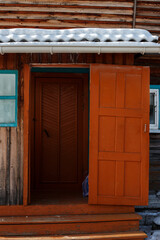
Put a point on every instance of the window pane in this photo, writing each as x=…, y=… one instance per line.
x=152, y=108
x=7, y=111
x=7, y=84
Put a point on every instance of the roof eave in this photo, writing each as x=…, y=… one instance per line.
x=80, y=48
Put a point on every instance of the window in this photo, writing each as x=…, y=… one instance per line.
x=8, y=98
x=154, y=108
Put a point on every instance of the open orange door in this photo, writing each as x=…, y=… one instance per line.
x=119, y=135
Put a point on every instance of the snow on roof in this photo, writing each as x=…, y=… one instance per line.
x=80, y=40
x=101, y=35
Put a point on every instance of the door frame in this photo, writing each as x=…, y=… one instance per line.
x=27, y=133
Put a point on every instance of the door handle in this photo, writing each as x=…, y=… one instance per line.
x=46, y=132
x=145, y=127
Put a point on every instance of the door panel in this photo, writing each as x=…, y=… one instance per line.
x=119, y=146
x=49, y=131
x=68, y=133
x=58, y=132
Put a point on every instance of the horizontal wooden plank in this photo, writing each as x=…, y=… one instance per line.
x=121, y=236
x=119, y=156
x=68, y=228
x=121, y=112
x=149, y=7
x=67, y=17
x=148, y=1
x=120, y=3
x=149, y=28
x=37, y=210
x=68, y=218
x=148, y=15
x=104, y=10
x=59, y=24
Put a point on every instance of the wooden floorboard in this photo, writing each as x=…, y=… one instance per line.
x=37, y=210
x=68, y=224
x=120, y=236
x=69, y=218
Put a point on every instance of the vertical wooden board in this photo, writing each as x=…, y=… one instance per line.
x=68, y=133
x=14, y=160
x=119, y=134
x=85, y=126
x=20, y=129
x=133, y=85
x=119, y=58
x=93, y=138
x=132, y=173
x=14, y=168
x=3, y=154
x=26, y=171
x=120, y=178
x=133, y=131
x=106, y=185
x=3, y=157
x=129, y=59
x=49, y=133
x=145, y=134
x=108, y=58
x=120, y=90
x=107, y=90
x=107, y=134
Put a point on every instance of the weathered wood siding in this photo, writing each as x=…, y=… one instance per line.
x=143, y=14
x=154, y=175
x=11, y=138
x=66, y=13
x=148, y=15
x=11, y=148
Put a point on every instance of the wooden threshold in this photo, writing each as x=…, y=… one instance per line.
x=121, y=236
x=69, y=218
x=37, y=210
x=68, y=224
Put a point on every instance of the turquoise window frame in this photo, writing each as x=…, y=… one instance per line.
x=15, y=72
x=157, y=87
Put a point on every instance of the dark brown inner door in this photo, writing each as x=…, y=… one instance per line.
x=59, y=156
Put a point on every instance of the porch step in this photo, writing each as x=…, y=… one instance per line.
x=110, y=236
x=68, y=224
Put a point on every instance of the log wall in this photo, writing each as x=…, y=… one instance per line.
x=148, y=15
x=11, y=138
x=59, y=14
x=66, y=13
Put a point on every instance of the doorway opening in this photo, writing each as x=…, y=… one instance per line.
x=59, y=135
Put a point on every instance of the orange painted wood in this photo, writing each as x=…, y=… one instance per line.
x=67, y=228
x=56, y=133
x=68, y=224
x=119, y=146
x=26, y=171
x=121, y=236
x=79, y=208
x=69, y=218
x=59, y=135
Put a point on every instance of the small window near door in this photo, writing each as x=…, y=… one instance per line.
x=8, y=98
x=154, y=109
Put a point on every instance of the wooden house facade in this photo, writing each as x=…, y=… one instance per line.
x=89, y=111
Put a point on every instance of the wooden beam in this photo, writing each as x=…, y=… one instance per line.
x=134, y=13
x=26, y=135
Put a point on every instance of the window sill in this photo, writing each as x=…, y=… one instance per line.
x=154, y=131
